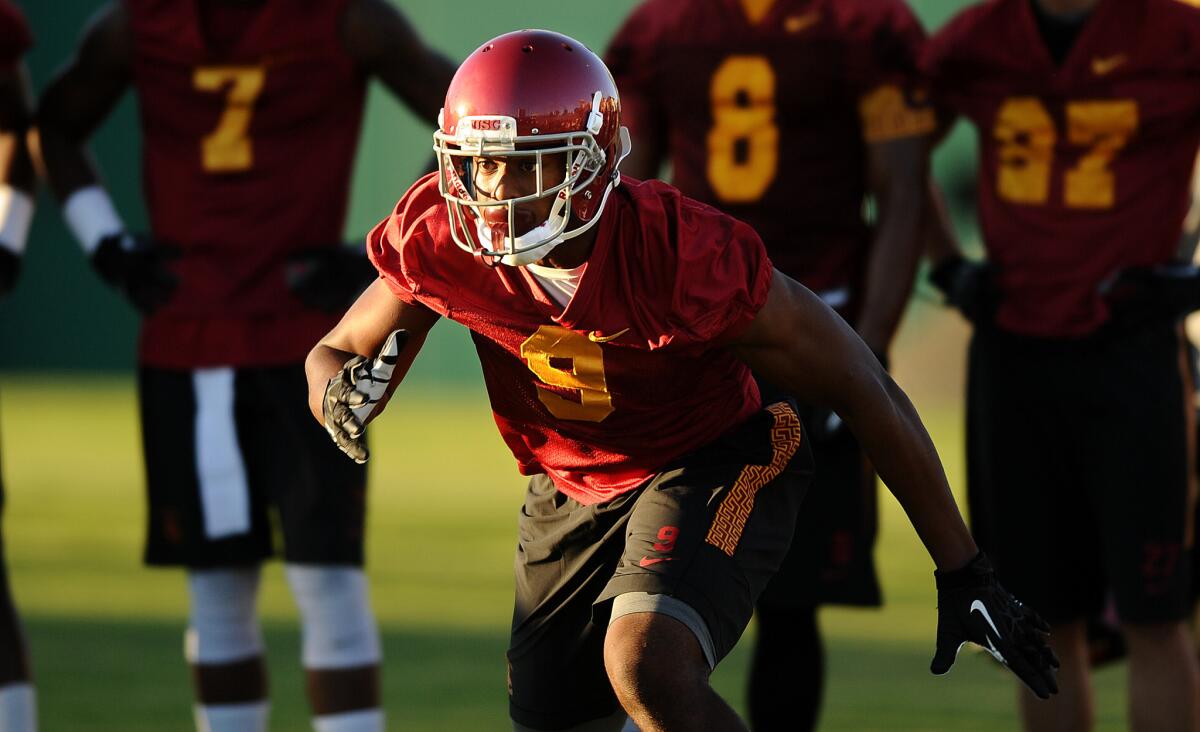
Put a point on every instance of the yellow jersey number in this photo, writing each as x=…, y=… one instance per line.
x=566, y=359
x=1026, y=136
x=743, y=144
x=227, y=148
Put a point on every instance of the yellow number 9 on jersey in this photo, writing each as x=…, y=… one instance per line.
x=566, y=359
x=743, y=144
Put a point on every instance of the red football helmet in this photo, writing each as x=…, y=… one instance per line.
x=530, y=93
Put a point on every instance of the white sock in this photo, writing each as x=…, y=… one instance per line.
x=18, y=708
x=249, y=717
x=362, y=720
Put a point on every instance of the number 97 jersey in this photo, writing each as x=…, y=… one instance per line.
x=1084, y=167
x=765, y=109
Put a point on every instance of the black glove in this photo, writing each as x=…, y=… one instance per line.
x=137, y=268
x=1143, y=294
x=330, y=278
x=10, y=269
x=972, y=606
x=968, y=286
x=353, y=393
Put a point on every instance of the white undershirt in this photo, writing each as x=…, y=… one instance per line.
x=559, y=284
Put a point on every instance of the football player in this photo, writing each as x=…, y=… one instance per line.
x=789, y=115
x=18, y=711
x=250, y=113
x=1079, y=447
x=616, y=324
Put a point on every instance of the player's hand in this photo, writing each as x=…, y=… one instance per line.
x=972, y=606
x=137, y=267
x=10, y=269
x=1143, y=294
x=355, y=391
x=968, y=286
x=330, y=278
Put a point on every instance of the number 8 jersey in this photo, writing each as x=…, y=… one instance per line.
x=250, y=117
x=765, y=108
x=632, y=373
x=1084, y=168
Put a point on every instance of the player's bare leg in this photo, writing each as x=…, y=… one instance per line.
x=341, y=647
x=660, y=675
x=1164, y=678
x=18, y=708
x=1071, y=709
x=224, y=647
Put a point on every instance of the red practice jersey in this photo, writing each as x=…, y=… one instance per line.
x=248, y=143
x=15, y=38
x=602, y=395
x=1084, y=169
x=766, y=109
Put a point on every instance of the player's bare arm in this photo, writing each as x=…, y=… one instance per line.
x=342, y=355
x=799, y=343
x=383, y=42
x=897, y=171
x=17, y=179
x=81, y=96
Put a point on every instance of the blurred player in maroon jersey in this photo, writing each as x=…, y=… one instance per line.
x=787, y=114
x=616, y=325
x=250, y=114
x=1078, y=419
x=18, y=711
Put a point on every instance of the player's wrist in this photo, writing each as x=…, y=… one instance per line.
x=16, y=216
x=977, y=572
x=92, y=218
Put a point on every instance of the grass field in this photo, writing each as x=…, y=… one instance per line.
x=106, y=633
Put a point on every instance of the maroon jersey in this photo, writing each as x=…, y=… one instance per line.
x=15, y=38
x=602, y=394
x=765, y=108
x=1084, y=169
x=248, y=142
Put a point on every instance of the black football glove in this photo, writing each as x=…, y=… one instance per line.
x=330, y=278
x=10, y=269
x=137, y=268
x=968, y=286
x=1145, y=294
x=972, y=606
x=353, y=393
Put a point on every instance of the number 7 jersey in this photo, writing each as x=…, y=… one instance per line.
x=250, y=117
x=1084, y=168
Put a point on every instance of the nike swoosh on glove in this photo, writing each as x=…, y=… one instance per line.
x=355, y=391
x=972, y=606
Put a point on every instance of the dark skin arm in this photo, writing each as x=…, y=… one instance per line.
x=16, y=111
x=81, y=96
x=897, y=172
x=799, y=344
x=384, y=44
x=361, y=332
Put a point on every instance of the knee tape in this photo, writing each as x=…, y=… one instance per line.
x=224, y=622
x=644, y=602
x=339, y=627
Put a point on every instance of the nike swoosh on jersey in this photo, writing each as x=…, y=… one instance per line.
x=798, y=23
x=595, y=337
x=650, y=561
x=978, y=607
x=1104, y=65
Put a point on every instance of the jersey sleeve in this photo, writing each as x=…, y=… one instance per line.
x=632, y=60
x=395, y=245
x=15, y=37
x=722, y=277
x=945, y=68
x=893, y=101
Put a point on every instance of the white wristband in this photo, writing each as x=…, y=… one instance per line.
x=91, y=217
x=16, y=214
